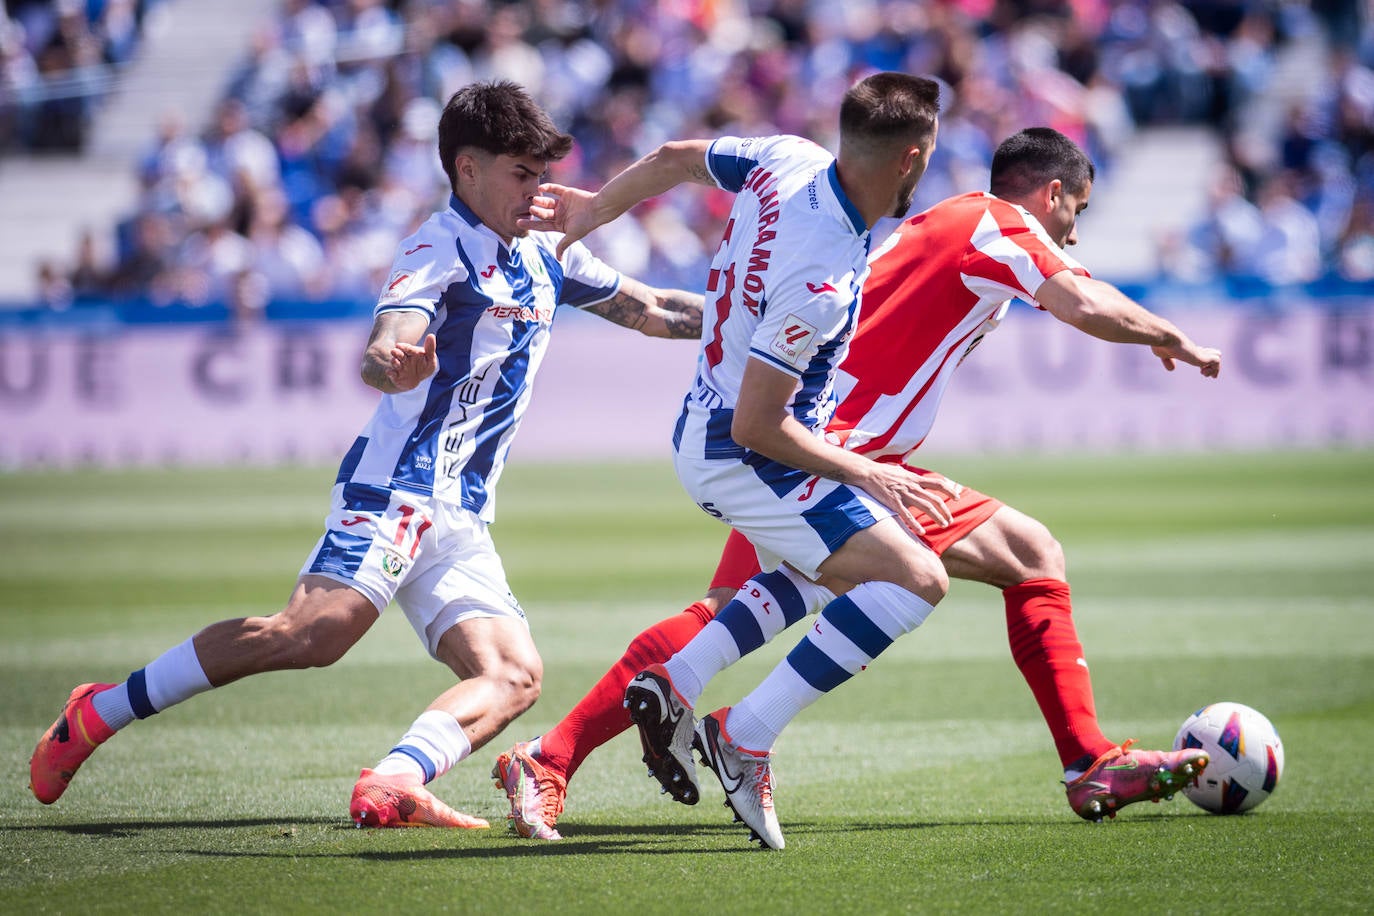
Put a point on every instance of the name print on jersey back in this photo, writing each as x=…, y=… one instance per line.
x=783, y=286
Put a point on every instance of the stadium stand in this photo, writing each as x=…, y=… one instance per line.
x=61, y=205
x=1234, y=137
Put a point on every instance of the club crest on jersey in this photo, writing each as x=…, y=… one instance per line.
x=396, y=286
x=393, y=563
x=792, y=339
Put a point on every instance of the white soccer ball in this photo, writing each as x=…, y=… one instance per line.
x=1246, y=757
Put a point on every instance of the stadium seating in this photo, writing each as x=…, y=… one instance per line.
x=320, y=156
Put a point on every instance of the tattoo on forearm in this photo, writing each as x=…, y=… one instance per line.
x=640, y=308
x=374, y=374
x=700, y=173
x=623, y=309
x=683, y=310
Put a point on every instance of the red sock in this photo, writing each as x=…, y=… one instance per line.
x=1045, y=646
x=601, y=715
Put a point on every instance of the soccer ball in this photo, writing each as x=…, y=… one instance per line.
x=1246, y=757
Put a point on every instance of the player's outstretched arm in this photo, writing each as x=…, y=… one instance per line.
x=653, y=312
x=575, y=213
x=1100, y=309
x=392, y=362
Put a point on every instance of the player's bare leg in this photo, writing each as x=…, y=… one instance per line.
x=321, y=622
x=501, y=674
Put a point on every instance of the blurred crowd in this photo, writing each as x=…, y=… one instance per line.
x=322, y=155
x=57, y=60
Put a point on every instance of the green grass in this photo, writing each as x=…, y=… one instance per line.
x=929, y=784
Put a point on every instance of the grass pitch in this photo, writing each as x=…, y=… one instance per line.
x=928, y=784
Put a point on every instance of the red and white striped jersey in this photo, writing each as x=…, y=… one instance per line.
x=937, y=285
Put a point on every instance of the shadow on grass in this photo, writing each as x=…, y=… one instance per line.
x=134, y=828
x=580, y=839
x=611, y=839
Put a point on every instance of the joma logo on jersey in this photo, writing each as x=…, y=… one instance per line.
x=818, y=288
x=793, y=339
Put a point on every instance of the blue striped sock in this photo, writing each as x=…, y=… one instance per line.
x=765, y=606
x=853, y=630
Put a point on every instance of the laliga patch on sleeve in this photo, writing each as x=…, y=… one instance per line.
x=396, y=286
x=792, y=339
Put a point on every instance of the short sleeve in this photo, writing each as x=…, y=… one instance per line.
x=1013, y=253
x=587, y=279
x=731, y=159
x=418, y=278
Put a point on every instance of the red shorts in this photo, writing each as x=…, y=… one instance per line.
x=739, y=563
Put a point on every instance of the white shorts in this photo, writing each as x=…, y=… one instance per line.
x=787, y=514
x=435, y=559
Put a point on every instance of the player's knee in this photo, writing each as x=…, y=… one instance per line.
x=1044, y=554
x=521, y=682
x=927, y=576
x=938, y=578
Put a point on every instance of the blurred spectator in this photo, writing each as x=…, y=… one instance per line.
x=54, y=288
x=152, y=244
x=1223, y=242
x=1289, y=248
x=288, y=258
x=320, y=157
x=56, y=60
x=249, y=293
x=1355, y=253
x=89, y=277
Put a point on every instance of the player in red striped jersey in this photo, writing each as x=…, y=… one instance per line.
x=937, y=285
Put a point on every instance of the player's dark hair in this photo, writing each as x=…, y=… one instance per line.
x=499, y=118
x=1035, y=156
x=889, y=108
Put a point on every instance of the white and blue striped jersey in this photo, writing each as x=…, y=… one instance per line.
x=491, y=309
x=783, y=288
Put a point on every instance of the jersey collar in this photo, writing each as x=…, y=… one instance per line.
x=456, y=204
x=851, y=212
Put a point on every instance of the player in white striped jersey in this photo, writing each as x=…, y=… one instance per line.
x=936, y=286
x=459, y=332
x=781, y=303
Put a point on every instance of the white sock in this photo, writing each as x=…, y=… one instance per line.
x=755, y=722
x=433, y=746
x=167, y=680
x=852, y=631
x=707, y=654
x=113, y=706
